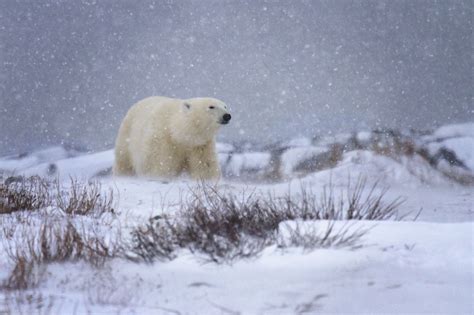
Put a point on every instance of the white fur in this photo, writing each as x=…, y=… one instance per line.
x=163, y=137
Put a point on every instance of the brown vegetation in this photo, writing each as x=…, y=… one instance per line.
x=223, y=227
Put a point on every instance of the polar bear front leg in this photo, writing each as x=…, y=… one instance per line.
x=203, y=163
x=162, y=162
x=122, y=164
x=166, y=168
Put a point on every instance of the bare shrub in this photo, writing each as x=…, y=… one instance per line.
x=29, y=302
x=50, y=240
x=219, y=241
x=23, y=276
x=34, y=239
x=224, y=226
x=60, y=240
x=84, y=199
x=21, y=193
x=358, y=202
x=309, y=238
x=32, y=193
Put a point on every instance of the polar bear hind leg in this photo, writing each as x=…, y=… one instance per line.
x=123, y=164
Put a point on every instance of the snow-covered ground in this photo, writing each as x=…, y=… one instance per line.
x=423, y=266
x=404, y=267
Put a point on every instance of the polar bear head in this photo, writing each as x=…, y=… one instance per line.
x=200, y=119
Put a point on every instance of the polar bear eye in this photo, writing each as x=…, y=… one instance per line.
x=212, y=107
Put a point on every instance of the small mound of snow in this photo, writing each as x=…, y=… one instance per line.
x=15, y=165
x=378, y=166
x=408, y=171
x=455, y=130
x=364, y=136
x=52, y=154
x=298, y=142
x=84, y=166
x=463, y=147
x=452, y=144
x=248, y=162
x=224, y=147
x=294, y=156
x=340, y=138
x=48, y=155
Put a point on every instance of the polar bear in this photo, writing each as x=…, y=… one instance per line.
x=162, y=137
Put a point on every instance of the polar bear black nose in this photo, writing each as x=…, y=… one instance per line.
x=226, y=117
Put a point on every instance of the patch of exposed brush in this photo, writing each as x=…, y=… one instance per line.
x=43, y=222
x=223, y=227
x=308, y=237
x=84, y=199
x=19, y=194
x=39, y=241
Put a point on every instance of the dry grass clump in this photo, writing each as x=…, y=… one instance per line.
x=20, y=193
x=222, y=234
x=33, y=193
x=49, y=240
x=24, y=275
x=43, y=235
x=84, y=199
x=223, y=226
x=296, y=234
x=358, y=202
x=59, y=240
x=29, y=303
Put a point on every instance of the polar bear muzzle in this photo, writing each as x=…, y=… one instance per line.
x=225, y=119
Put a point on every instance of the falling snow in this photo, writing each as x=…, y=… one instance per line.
x=353, y=65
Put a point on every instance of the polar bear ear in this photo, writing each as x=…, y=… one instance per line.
x=186, y=106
